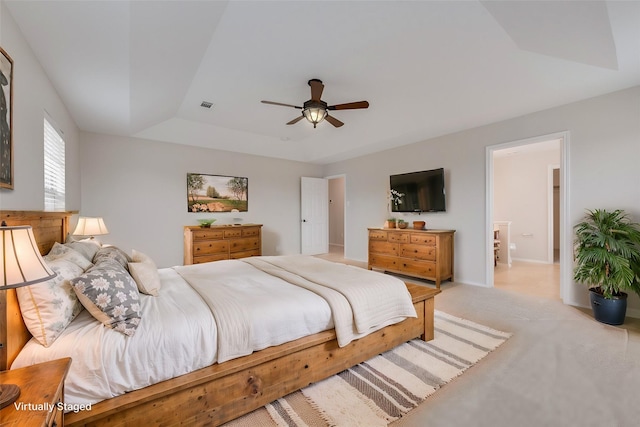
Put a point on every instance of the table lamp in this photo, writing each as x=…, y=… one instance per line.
x=22, y=265
x=88, y=226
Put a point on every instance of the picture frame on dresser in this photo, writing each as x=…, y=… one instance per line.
x=6, y=120
x=217, y=193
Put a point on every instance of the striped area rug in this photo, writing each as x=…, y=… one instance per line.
x=384, y=388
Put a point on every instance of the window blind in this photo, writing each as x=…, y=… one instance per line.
x=54, y=180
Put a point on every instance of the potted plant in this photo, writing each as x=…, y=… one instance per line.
x=391, y=223
x=607, y=254
x=401, y=223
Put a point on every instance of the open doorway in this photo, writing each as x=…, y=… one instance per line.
x=337, y=214
x=526, y=190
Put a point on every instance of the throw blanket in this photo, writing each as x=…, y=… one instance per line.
x=361, y=301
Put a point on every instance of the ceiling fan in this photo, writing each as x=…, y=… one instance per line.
x=316, y=110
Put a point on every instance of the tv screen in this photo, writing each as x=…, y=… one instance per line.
x=421, y=191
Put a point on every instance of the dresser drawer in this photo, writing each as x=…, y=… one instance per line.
x=240, y=245
x=251, y=232
x=244, y=254
x=419, y=268
x=423, y=239
x=387, y=248
x=205, y=247
x=207, y=233
x=385, y=262
x=418, y=252
x=377, y=235
x=211, y=257
x=399, y=237
x=233, y=232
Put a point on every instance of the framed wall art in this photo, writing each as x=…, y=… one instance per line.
x=6, y=115
x=217, y=193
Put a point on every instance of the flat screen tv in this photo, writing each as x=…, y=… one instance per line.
x=421, y=191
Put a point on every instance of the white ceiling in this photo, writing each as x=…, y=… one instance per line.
x=427, y=68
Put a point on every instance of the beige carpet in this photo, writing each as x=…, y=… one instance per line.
x=386, y=387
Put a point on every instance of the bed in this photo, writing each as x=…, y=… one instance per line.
x=220, y=392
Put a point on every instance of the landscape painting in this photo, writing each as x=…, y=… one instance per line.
x=217, y=193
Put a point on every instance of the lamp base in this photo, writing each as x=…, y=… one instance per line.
x=8, y=394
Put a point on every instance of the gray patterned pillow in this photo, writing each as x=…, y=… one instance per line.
x=110, y=294
x=112, y=253
x=87, y=247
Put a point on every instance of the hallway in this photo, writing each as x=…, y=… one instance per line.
x=528, y=278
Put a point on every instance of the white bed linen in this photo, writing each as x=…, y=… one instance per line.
x=177, y=333
x=255, y=310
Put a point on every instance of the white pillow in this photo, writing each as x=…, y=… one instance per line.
x=48, y=307
x=65, y=252
x=145, y=272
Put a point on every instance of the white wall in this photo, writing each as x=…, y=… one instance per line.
x=139, y=187
x=603, y=173
x=521, y=195
x=32, y=95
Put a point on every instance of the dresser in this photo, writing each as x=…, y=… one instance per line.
x=221, y=242
x=41, y=395
x=426, y=254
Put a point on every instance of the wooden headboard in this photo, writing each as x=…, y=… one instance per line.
x=48, y=228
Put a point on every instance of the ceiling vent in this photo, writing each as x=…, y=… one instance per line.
x=206, y=104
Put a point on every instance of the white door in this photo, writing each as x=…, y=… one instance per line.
x=314, y=210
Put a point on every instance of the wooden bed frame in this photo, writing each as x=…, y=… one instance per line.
x=220, y=392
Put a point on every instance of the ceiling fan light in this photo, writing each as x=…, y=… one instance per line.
x=315, y=114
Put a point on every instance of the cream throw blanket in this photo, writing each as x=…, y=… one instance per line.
x=361, y=301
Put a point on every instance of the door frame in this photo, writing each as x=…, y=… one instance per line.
x=551, y=209
x=313, y=220
x=565, y=225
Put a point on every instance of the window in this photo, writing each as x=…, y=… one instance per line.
x=54, y=183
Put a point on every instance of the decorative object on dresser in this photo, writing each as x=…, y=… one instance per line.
x=22, y=265
x=42, y=399
x=90, y=227
x=6, y=119
x=217, y=193
x=402, y=224
x=427, y=254
x=390, y=223
x=206, y=222
x=418, y=225
x=221, y=242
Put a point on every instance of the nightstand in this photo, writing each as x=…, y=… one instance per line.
x=41, y=394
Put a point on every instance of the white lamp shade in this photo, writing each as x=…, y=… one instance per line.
x=22, y=264
x=90, y=227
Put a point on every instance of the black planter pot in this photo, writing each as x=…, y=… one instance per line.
x=609, y=311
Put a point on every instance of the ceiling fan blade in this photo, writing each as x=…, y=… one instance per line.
x=296, y=120
x=316, y=89
x=349, y=106
x=335, y=122
x=281, y=104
